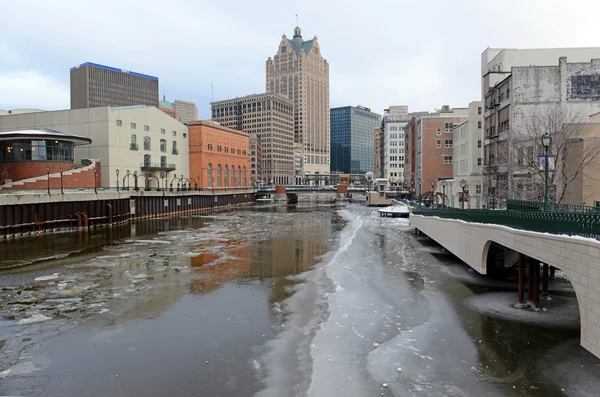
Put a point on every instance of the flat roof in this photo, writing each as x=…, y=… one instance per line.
x=97, y=65
x=44, y=133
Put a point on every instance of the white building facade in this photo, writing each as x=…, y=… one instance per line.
x=393, y=152
x=185, y=111
x=138, y=139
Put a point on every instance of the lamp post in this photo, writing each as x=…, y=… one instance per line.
x=546, y=142
x=494, y=185
x=48, y=175
x=463, y=185
x=412, y=190
x=444, y=184
x=117, y=180
x=420, y=190
x=171, y=184
x=135, y=180
x=432, y=182
x=61, y=181
x=95, y=174
x=198, y=184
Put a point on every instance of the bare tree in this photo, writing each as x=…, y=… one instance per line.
x=4, y=175
x=573, y=147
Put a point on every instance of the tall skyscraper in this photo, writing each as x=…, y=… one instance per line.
x=186, y=111
x=94, y=85
x=299, y=72
x=269, y=116
x=352, y=139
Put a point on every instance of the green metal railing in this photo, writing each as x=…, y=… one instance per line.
x=569, y=223
x=524, y=205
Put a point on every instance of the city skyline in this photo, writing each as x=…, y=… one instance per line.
x=422, y=76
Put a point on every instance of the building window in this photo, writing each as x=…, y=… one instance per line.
x=175, y=151
x=225, y=176
x=448, y=143
x=147, y=145
x=163, y=161
x=438, y=143
x=146, y=160
x=239, y=176
x=133, y=126
x=210, y=146
x=146, y=128
x=133, y=145
x=210, y=176
x=185, y=135
x=219, y=175
x=174, y=133
x=119, y=123
x=479, y=161
x=439, y=131
x=232, y=176
x=477, y=189
x=244, y=177
x=479, y=143
x=162, y=131
x=479, y=110
x=447, y=159
x=163, y=145
x=479, y=124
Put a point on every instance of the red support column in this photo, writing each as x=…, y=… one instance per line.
x=521, y=288
x=530, y=281
x=536, y=284
x=545, y=271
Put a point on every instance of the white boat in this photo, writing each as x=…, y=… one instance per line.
x=395, y=211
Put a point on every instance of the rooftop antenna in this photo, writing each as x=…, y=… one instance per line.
x=212, y=92
x=297, y=20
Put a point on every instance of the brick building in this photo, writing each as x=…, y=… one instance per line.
x=219, y=155
x=429, y=145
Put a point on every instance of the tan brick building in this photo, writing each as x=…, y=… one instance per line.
x=299, y=72
x=269, y=116
x=377, y=146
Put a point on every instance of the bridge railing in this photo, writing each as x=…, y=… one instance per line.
x=526, y=205
x=569, y=223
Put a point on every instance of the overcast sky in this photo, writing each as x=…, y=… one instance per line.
x=419, y=53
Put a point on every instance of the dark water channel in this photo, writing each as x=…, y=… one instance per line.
x=273, y=301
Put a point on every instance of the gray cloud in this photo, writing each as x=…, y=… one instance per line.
x=420, y=53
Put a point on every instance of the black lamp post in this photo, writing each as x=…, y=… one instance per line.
x=412, y=190
x=420, y=190
x=493, y=185
x=135, y=180
x=95, y=174
x=61, y=181
x=546, y=142
x=48, y=175
x=444, y=184
x=198, y=184
x=117, y=180
x=463, y=185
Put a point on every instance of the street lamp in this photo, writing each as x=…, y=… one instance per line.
x=420, y=190
x=135, y=180
x=198, y=185
x=546, y=141
x=412, y=190
x=48, y=175
x=95, y=174
x=463, y=185
x=443, y=183
x=127, y=174
x=432, y=182
x=117, y=181
x=493, y=185
x=61, y=181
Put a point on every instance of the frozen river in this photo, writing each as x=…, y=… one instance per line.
x=273, y=301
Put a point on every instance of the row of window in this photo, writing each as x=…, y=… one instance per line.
x=147, y=128
x=237, y=179
x=447, y=143
x=148, y=144
x=227, y=149
x=45, y=150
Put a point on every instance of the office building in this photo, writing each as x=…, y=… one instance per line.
x=352, y=139
x=394, y=120
x=299, y=72
x=271, y=117
x=377, y=147
x=186, y=111
x=94, y=85
x=256, y=170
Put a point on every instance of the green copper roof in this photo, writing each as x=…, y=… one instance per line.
x=298, y=44
x=165, y=104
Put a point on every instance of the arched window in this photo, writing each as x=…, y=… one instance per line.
x=239, y=176
x=244, y=176
x=146, y=160
x=210, y=176
x=163, y=145
x=226, y=177
x=219, y=175
x=175, y=151
x=133, y=145
x=232, y=176
x=163, y=161
x=147, y=145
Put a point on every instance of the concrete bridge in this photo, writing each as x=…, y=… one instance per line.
x=577, y=257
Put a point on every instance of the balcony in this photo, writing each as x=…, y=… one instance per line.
x=133, y=146
x=175, y=151
x=157, y=167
